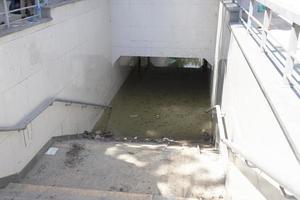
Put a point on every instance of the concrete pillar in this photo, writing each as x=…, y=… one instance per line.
x=228, y=13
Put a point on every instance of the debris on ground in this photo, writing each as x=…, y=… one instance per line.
x=206, y=136
x=170, y=141
x=98, y=135
x=73, y=156
x=107, y=136
x=51, y=151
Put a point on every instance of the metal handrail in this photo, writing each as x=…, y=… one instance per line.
x=271, y=105
x=247, y=158
x=22, y=125
x=287, y=75
x=263, y=28
x=37, y=12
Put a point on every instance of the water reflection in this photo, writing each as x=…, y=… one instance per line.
x=157, y=102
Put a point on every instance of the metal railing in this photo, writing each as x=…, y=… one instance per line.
x=250, y=160
x=271, y=105
x=267, y=39
x=22, y=125
x=25, y=11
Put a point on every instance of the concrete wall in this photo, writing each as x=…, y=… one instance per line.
x=250, y=122
x=164, y=28
x=68, y=57
x=228, y=13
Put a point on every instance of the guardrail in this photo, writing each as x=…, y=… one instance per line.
x=22, y=125
x=271, y=105
x=266, y=37
x=252, y=162
x=26, y=10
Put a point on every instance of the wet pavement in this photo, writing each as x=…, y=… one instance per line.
x=161, y=102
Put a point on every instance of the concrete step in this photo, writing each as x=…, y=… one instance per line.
x=16, y=191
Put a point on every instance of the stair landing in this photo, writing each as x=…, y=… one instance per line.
x=17, y=191
x=116, y=170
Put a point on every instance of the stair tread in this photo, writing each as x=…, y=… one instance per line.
x=56, y=193
x=18, y=191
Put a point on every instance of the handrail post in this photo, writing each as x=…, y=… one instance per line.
x=221, y=136
x=266, y=26
x=38, y=8
x=7, y=23
x=240, y=14
x=251, y=9
x=41, y=108
x=292, y=49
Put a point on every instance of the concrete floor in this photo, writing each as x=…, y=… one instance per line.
x=156, y=103
x=161, y=170
x=161, y=102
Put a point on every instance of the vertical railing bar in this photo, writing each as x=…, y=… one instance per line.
x=38, y=8
x=291, y=53
x=240, y=13
x=250, y=14
x=22, y=8
x=294, y=39
x=266, y=26
x=6, y=14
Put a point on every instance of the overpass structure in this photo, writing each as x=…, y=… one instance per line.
x=83, y=51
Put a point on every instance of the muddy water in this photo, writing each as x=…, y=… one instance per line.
x=161, y=102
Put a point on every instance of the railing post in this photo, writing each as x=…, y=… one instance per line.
x=266, y=25
x=6, y=14
x=251, y=9
x=240, y=14
x=38, y=8
x=292, y=50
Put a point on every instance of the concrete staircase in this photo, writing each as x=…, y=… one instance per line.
x=84, y=169
x=16, y=191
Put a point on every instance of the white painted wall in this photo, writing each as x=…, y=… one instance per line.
x=164, y=28
x=252, y=126
x=250, y=123
x=68, y=57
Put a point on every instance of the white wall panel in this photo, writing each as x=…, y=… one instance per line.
x=68, y=57
x=164, y=28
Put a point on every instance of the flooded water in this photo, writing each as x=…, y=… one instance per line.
x=161, y=102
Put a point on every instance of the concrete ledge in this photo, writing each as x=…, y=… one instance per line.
x=8, y=179
x=24, y=26
x=58, y=3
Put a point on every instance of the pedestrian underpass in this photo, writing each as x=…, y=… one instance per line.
x=153, y=141
x=161, y=102
x=81, y=120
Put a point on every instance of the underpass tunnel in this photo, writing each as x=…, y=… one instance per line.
x=162, y=98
